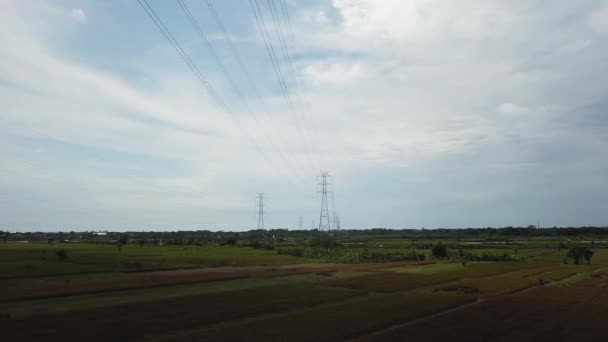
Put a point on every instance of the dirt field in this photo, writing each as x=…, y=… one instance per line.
x=409, y=301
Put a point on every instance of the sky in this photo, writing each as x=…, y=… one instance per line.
x=469, y=113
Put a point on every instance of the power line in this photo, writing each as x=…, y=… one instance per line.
x=298, y=78
x=244, y=70
x=234, y=84
x=194, y=68
x=277, y=69
x=279, y=29
x=288, y=56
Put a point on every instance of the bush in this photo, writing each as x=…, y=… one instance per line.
x=323, y=242
x=61, y=254
x=348, y=255
x=262, y=245
x=440, y=251
x=578, y=254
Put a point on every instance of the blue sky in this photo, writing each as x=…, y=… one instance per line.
x=426, y=113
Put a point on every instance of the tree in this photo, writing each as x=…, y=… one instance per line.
x=122, y=240
x=578, y=254
x=440, y=251
x=61, y=254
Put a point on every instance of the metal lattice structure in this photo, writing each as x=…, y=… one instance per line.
x=261, y=210
x=324, y=217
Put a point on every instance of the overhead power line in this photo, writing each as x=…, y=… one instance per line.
x=245, y=70
x=298, y=80
x=279, y=74
x=196, y=71
x=184, y=6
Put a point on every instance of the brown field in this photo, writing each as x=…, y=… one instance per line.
x=117, y=282
x=575, y=313
x=391, y=281
x=334, y=322
x=136, y=320
x=410, y=301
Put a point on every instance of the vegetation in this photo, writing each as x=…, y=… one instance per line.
x=440, y=251
x=580, y=254
x=206, y=237
x=337, y=322
x=128, y=321
x=61, y=254
x=252, y=286
x=348, y=255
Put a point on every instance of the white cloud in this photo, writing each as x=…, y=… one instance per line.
x=78, y=15
x=512, y=109
x=577, y=45
x=334, y=73
x=440, y=94
x=598, y=20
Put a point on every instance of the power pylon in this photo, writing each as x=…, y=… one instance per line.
x=260, y=210
x=301, y=223
x=324, y=224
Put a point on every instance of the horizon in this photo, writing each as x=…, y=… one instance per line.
x=297, y=229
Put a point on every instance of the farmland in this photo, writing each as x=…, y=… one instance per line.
x=104, y=291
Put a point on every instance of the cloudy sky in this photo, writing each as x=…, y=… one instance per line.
x=426, y=113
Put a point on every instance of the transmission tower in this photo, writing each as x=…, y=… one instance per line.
x=260, y=210
x=301, y=223
x=324, y=224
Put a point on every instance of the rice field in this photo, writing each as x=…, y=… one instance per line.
x=237, y=293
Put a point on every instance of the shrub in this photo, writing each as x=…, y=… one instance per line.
x=61, y=254
x=578, y=254
x=348, y=255
x=262, y=245
x=440, y=251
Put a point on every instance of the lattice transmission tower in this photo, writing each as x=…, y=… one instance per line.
x=324, y=220
x=260, y=210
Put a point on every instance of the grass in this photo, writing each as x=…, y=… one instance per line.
x=135, y=320
x=426, y=269
x=406, y=278
x=134, y=281
x=541, y=314
x=102, y=293
x=392, y=281
x=495, y=285
x=24, y=260
x=28, y=308
x=332, y=322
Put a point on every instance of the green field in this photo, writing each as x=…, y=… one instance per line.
x=230, y=293
x=39, y=260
